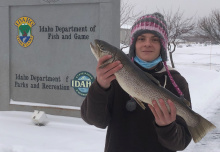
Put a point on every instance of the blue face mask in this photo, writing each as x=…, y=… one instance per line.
x=147, y=65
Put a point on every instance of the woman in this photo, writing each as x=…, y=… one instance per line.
x=130, y=128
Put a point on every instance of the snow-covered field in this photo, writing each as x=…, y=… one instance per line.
x=200, y=65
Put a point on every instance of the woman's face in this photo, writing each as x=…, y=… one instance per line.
x=147, y=47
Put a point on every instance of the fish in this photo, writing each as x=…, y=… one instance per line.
x=144, y=88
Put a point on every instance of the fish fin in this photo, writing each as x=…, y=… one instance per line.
x=140, y=103
x=106, y=63
x=153, y=79
x=186, y=102
x=200, y=129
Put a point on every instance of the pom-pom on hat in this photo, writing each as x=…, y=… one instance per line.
x=150, y=23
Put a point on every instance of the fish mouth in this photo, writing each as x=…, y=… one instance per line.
x=92, y=46
x=95, y=46
x=95, y=49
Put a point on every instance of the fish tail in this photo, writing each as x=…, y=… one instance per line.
x=201, y=129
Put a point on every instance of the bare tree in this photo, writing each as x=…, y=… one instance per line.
x=210, y=26
x=127, y=13
x=127, y=17
x=177, y=27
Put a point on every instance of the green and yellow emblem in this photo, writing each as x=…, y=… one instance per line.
x=25, y=36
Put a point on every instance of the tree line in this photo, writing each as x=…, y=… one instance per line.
x=180, y=27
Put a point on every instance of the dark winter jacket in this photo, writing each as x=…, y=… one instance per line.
x=135, y=131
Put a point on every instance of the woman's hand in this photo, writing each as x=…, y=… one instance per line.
x=106, y=74
x=163, y=116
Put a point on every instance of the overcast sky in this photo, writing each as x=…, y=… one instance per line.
x=200, y=8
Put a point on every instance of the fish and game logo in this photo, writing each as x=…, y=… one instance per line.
x=81, y=83
x=25, y=36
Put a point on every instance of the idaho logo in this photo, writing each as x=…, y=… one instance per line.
x=81, y=83
x=25, y=25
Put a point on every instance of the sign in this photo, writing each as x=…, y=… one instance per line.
x=45, y=54
x=81, y=83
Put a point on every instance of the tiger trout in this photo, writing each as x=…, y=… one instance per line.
x=145, y=88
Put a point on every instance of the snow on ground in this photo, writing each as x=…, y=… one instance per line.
x=202, y=71
x=61, y=134
x=200, y=65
